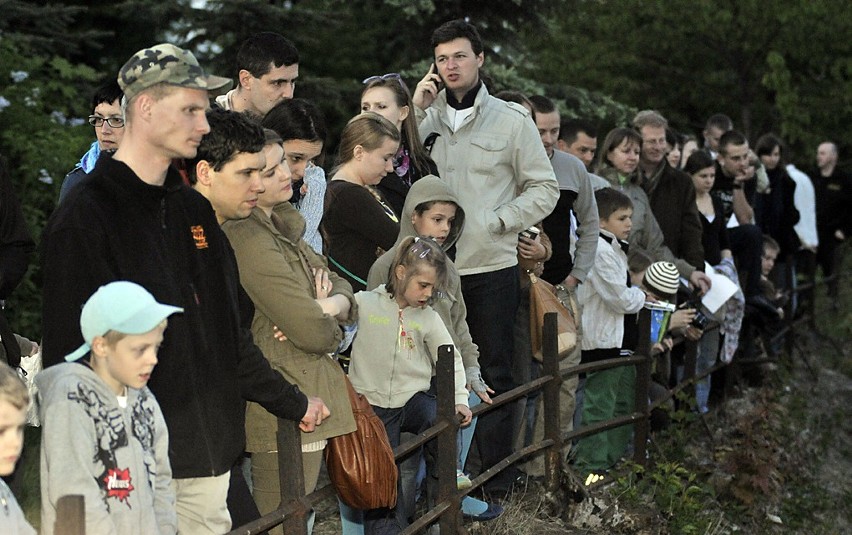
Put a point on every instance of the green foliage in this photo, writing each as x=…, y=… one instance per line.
x=41, y=141
x=676, y=491
x=46, y=28
x=777, y=66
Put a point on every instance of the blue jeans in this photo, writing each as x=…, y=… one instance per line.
x=708, y=350
x=417, y=415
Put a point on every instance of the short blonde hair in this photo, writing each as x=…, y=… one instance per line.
x=114, y=337
x=12, y=388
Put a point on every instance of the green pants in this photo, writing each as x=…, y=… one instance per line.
x=266, y=482
x=609, y=394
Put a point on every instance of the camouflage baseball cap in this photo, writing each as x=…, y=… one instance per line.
x=166, y=63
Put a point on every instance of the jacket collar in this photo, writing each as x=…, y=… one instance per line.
x=122, y=175
x=609, y=237
x=650, y=182
x=467, y=101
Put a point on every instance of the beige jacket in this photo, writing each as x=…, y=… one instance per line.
x=497, y=167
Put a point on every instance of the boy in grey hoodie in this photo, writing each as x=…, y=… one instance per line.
x=104, y=434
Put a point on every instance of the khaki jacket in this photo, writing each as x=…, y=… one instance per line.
x=274, y=265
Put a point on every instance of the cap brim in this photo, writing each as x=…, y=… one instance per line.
x=218, y=85
x=78, y=353
x=146, y=319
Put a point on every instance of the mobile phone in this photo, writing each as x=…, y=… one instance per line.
x=531, y=233
x=439, y=84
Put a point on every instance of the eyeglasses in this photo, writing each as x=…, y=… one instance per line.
x=113, y=122
x=389, y=76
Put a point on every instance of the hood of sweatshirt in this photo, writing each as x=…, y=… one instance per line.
x=429, y=188
x=53, y=383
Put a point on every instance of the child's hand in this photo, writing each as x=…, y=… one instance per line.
x=467, y=416
x=693, y=333
x=681, y=318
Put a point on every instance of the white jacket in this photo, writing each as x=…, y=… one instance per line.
x=805, y=200
x=605, y=296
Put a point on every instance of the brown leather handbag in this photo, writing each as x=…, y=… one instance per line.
x=543, y=299
x=361, y=464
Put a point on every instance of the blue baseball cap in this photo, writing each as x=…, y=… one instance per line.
x=120, y=306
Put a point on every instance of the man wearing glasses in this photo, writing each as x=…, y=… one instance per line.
x=108, y=121
x=672, y=198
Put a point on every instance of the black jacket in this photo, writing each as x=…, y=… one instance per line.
x=672, y=198
x=16, y=246
x=114, y=226
x=775, y=211
x=394, y=188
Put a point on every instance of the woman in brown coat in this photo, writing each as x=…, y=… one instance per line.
x=292, y=290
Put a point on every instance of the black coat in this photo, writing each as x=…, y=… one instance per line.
x=16, y=246
x=114, y=226
x=775, y=212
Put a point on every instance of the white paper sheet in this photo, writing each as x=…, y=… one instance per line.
x=720, y=291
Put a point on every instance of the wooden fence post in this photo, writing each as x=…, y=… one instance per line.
x=291, y=475
x=447, y=445
x=643, y=387
x=550, y=400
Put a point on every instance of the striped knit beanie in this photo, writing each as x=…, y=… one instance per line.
x=663, y=279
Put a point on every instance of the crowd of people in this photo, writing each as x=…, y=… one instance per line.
x=202, y=279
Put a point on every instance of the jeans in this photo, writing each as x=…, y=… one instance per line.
x=492, y=300
x=708, y=350
x=417, y=415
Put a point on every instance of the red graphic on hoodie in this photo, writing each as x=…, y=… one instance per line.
x=118, y=484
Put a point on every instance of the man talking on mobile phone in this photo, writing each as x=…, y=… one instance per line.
x=490, y=154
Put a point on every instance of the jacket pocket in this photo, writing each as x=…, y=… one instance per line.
x=486, y=153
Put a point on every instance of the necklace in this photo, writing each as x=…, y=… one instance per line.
x=405, y=339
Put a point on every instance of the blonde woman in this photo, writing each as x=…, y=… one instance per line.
x=358, y=226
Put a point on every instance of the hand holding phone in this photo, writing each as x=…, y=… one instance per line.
x=436, y=79
x=530, y=233
x=427, y=88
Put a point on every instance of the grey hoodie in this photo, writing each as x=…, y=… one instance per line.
x=116, y=458
x=447, y=302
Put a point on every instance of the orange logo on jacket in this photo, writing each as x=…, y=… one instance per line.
x=199, y=237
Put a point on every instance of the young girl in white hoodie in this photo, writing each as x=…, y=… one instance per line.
x=397, y=345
